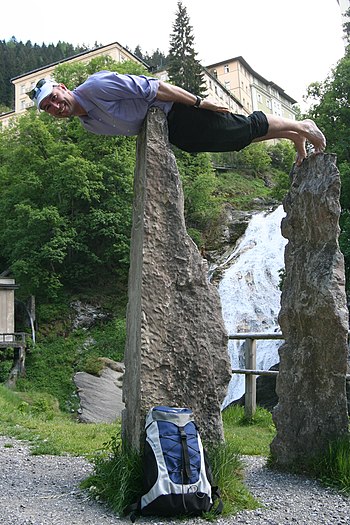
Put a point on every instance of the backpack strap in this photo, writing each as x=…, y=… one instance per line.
x=216, y=497
x=185, y=453
x=133, y=509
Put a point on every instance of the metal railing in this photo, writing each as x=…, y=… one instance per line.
x=15, y=339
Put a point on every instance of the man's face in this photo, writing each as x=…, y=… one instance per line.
x=60, y=103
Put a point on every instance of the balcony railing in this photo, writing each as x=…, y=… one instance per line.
x=12, y=339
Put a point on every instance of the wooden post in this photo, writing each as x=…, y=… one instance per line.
x=250, y=379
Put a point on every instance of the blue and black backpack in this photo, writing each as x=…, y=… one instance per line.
x=177, y=476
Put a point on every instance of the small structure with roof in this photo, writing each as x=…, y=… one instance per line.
x=8, y=337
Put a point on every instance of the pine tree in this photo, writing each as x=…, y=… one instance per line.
x=184, y=69
x=17, y=58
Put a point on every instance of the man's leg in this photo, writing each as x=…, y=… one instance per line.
x=296, y=131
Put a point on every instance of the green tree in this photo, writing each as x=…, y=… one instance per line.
x=73, y=74
x=282, y=155
x=331, y=110
x=4, y=109
x=156, y=61
x=256, y=158
x=183, y=67
x=66, y=203
x=16, y=58
x=202, y=206
x=199, y=181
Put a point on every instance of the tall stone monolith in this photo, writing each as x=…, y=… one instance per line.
x=176, y=350
x=312, y=407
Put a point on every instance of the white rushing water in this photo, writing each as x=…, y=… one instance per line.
x=250, y=294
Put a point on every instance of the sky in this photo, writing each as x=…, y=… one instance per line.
x=289, y=43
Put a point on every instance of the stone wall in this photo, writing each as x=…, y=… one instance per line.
x=312, y=407
x=176, y=350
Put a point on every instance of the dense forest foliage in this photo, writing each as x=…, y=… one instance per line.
x=17, y=58
x=156, y=61
x=66, y=198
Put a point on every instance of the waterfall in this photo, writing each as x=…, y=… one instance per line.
x=250, y=294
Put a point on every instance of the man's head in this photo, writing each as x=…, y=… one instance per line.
x=42, y=89
x=55, y=99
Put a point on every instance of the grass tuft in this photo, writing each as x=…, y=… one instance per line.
x=227, y=474
x=117, y=477
x=333, y=468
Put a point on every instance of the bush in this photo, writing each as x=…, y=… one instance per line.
x=109, y=339
x=6, y=363
x=50, y=367
x=281, y=186
x=196, y=237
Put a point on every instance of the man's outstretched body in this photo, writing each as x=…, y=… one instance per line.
x=108, y=103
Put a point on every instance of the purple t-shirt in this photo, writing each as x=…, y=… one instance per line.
x=117, y=104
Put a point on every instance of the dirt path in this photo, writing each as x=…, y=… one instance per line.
x=44, y=490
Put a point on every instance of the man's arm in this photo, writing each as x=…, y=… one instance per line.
x=169, y=93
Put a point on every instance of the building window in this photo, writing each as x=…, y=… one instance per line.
x=258, y=97
x=228, y=84
x=268, y=103
x=215, y=73
x=23, y=89
x=226, y=68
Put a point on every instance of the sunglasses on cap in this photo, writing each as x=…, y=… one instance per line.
x=42, y=89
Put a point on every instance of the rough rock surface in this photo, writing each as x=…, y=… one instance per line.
x=312, y=406
x=100, y=396
x=176, y=350
x=231, y=227
x=86, y=315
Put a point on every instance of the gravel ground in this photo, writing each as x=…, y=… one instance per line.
x=44, y=490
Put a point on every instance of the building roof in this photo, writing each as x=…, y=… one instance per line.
x=256, y=75
x=80, y=55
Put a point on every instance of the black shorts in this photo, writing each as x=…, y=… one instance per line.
x=199, y=130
